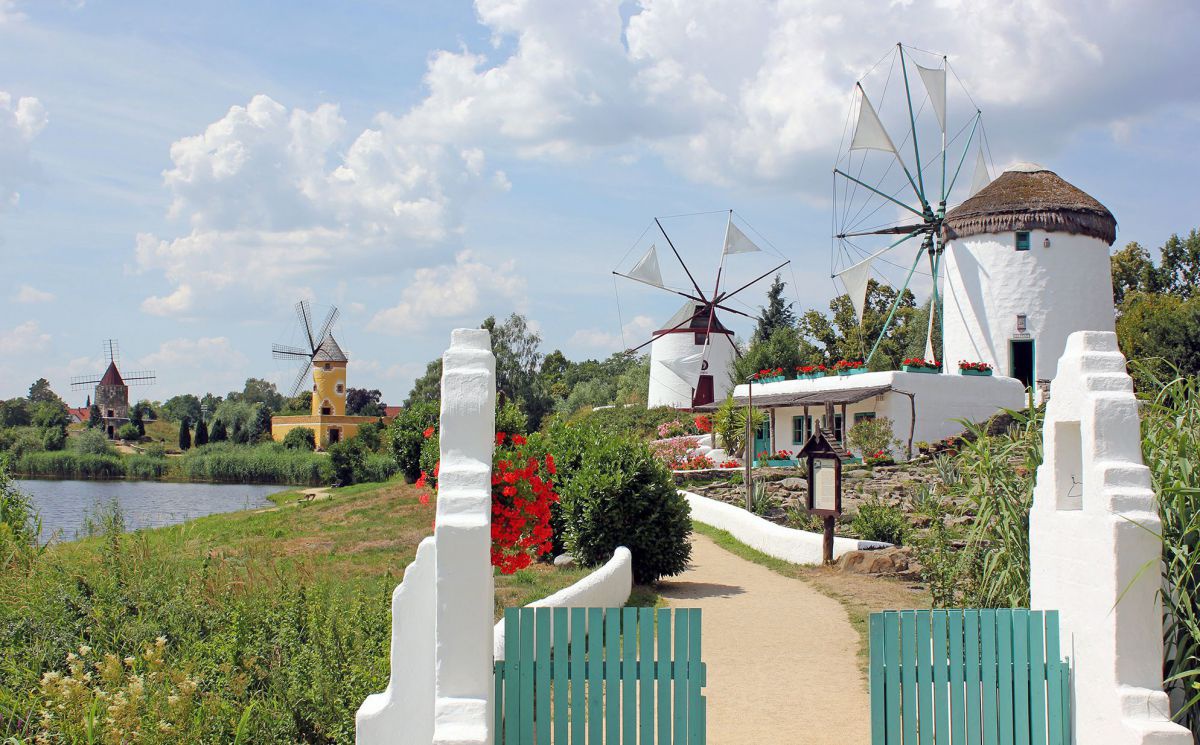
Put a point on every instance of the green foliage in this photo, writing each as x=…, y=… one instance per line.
x=218, y=433
x=70, y=465
x=427, y=388
x=783, y=348
x=777, y=314
x=637, y=421
x=236, y=413
x=761, y=501
x=633, y=385
x=588, y=394
x=19, y=525
x=41, y=392
x=729, y=421
x=300, y=438
x=94, y=417
x=869, y=436
x=406, y=435
x=54, y=438
x=1162, y=332
x=363, y=402
x=260, y=429
x=145, y=467
x=185, y=434
x=518, y=360
x=300, y=405
x=370, y=435
x=268, y=463
x=92, y=442
x=50, y=414
x=258, y=391
x=349, y=460
x=841, y=336
x=155, y=450
x=616, y=493
x=201, y=438
x=15, y=412
x=177, y=408
x=876, y=520
x=129, y=431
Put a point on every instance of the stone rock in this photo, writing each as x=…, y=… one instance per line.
x=794, y=484
x=888, y=561
x=564, y=560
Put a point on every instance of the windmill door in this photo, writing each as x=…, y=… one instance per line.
x=704, y=391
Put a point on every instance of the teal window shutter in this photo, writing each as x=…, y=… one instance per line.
x=1022, y=240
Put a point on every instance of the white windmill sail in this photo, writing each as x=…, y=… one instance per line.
x=688, y=368
x=736, y=241
x=856, y=278
x=869, y=133
x=982, y=177
x=935, y=82
x=647, y=268
x=929, y=335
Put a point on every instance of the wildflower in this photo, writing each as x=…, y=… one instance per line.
x=428, y=432
x=423, y=498
x=518, y=440
x=420, y=483
x=500, y=438
x=550, y=464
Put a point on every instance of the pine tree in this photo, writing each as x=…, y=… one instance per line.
x=94, y=417
x=201, y=433
x=185, y=434
x=218, y=433
x=777, y=315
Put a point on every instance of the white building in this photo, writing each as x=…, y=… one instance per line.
x=689, y=363
x=1026, y=265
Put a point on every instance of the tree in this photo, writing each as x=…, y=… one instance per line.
x=50, y=414
x=300, y=438
x=40, y=392
x=219, y=433
x=185, y=434
x=1133, y=271
x=363, y=402
x=128, y=431
x=94, y=417
x=633, y=386
x=784, y=348
x=841, y=336
x=201, y=433
x=554, y=374
x=178, y=408
x=1179, y=267
x=1162, y=332
x=777, y=314
x=348, y=459
x=258, y=391
x=518, y=360
x=260, y=428
x=15, y=413
x=238, y=435
x=428, y=387
x=370, y=435
x=298, y=405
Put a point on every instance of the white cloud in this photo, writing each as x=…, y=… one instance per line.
x=215, y=352
x=466, y=289
x=635, y=331
x=23, y=339
x=200, y=365
x=272, y=196
x=28, y=294
x=21, y=120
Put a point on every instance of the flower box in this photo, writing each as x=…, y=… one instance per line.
x=852, y=370
x=781, y=463
x=976, y=373
x=919, y=369
x=809, y=376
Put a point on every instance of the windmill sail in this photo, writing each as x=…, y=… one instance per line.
x=647, y=268
x=855, y=279
x=688, y=368
x=935, y=83
x=982, y=177
x=869, y=133
x=736, y=241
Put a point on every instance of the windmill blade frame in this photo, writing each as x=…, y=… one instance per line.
x=330, y=318
x=304, y=313
x=298, y=383
x=285, y=352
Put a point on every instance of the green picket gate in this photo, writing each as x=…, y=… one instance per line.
x=576, y=675
x=968, y=677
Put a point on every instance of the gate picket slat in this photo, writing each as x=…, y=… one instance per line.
x=527, y=702
x=612, y=675
x=971, y=675
x=1020, y=677
x=1004, y=647
x=646, y=645
x=629, y=675
x=541, y=674
x=1054, y=694
x=891, y=655
x=595, y=668
x=695, y=726
x=561, y=690
x=988, y=665
x=498, y=708
x=924, y=679
x=679, y=679
x=877, y=691
x=512, y=656
x=1037, y=679
x=954, y=620
x=664, y=676
x=908, y=675
x=578, y=681
x=941, y=682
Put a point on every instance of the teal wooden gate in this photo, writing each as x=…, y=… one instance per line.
x=968, y=677
x=577, y=674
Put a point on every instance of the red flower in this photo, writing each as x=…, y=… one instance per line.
x=423, y=498
x=550, y=464
x=509, y=491
x=420, y=483
x=499, y=438
x=518, y=440
x=428, y=432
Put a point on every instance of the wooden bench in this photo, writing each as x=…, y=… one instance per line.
x=968, y=677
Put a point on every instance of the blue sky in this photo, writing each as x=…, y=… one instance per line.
x=178, y=175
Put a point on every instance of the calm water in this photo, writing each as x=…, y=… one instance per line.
x=145, y=504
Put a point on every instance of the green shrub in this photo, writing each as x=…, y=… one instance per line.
x=54, y=438
x=348, y=458
x=19, y=524
x=16, y=441
x=145, y=467
x=70, y=465
x=370, y=435
x=870, y=436
x=268, y=463
x=129, y=431
x=628, y=420
x=876, y=520
x=155, y=450
x=406, y=434
x=619, y=494
x=92, y=442
x=300, y=438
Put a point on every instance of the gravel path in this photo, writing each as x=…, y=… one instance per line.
x=782, y=657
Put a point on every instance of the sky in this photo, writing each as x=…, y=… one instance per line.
x=178, y=175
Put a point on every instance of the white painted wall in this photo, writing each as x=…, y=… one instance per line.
x=1093, y=552
x=796, y=546
x=607, y=587
x=667, y=388
x=941, y=400
x=1063, y=288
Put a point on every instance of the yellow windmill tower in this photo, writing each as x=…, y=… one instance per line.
x=325, y=357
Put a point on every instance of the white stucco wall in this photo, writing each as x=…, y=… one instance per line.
x=796, y=546
x=667, y=388
x=1093, y=552
x=607, y=587
x=1063, y=288
x=941, y=400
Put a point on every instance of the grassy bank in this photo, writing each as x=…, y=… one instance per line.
x=272, y=623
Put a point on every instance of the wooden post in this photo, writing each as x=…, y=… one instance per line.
x=845, y=427
x=749, y=443
x=827, y=545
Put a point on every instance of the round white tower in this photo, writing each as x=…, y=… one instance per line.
x=682, y=373
x=1026, y=265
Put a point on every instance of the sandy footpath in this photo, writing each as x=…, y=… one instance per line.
x=782, y=657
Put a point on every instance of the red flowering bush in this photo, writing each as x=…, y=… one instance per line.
x=696, y=463
x=980, y=366
x=768, y=372
x=522, y=492
x=847, y=365
x=704, y=424
x=811, y=369
x=730, y=464
x=921, y=362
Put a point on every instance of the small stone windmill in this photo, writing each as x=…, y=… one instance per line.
x=112, y=389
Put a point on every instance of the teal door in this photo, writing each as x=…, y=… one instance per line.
x=762, y=438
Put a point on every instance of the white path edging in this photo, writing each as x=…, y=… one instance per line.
x=607, y=587
x=788, y=544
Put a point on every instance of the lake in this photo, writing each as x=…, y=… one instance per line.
x=145, y=504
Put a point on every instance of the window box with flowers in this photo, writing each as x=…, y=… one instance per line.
x=974, y=368
x=811, y=372
x=768, y=375
x=919, y=365
x=777, y=459
x=849, y=367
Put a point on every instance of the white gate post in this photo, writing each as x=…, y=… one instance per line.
x=1094, y=555
x=465, y=591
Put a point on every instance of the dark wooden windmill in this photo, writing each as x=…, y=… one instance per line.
x=112, y=388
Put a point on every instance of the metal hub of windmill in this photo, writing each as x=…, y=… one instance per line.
x=889, y=196
x=313, y=343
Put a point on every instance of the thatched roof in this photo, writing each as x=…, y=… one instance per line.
x=1029, y=197
x=329, y=351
